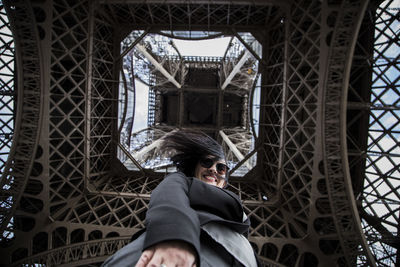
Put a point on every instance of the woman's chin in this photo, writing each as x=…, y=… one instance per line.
x=207, y=181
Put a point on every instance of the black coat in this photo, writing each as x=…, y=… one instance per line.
x=180, y=205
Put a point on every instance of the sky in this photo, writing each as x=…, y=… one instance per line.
x=213, y=47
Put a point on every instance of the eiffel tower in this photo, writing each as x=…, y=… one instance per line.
x=304, y=100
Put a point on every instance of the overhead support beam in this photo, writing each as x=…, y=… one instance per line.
x=249, y=48
x=137, y=40
x=181, y=108
x=139, y=155
x=158, y=66
x=236, y=69
x=242, y=161
x=234, y=149
x=376, y=222
x=202, y=2
x=220, y=110
x=134, y=161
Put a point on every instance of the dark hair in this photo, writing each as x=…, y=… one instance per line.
x=187, y=147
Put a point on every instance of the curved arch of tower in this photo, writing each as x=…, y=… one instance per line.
x=305, y=102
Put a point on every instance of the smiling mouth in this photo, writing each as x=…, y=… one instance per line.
x=210, y=178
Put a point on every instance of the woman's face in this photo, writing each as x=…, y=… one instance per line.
x=212, y=171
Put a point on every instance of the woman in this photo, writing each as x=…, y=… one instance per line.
x=192, y=220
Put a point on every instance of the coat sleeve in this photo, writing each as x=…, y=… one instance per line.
x=170, y=216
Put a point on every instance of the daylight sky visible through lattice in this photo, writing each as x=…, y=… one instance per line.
x=382, y=183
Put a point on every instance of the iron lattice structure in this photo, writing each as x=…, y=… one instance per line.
x=325, y=187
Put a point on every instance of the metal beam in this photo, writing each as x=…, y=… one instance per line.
x=132, y=45
x=133, y=159
x=138, y=155
x=220, y=111
x=181, y=108
x=249, y=47
x=202, y=2
x=158, y=66
x=234, y=149
x=236, y=69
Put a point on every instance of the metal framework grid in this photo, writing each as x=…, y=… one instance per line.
x=7, y=88
x=74, y=201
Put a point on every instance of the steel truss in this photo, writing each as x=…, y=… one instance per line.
x=18, y=168
x=64, y=190
x=7, y=93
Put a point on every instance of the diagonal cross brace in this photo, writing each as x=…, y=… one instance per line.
x=236, y=69
x=158, y=66
x=234, y=149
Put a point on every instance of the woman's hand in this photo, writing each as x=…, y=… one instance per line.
x=169, y=253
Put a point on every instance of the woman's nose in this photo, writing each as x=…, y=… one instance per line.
x=213, y=168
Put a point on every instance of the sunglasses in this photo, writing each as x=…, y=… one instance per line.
x=222, y=169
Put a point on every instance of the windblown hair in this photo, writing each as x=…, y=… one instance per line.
x=187, y=147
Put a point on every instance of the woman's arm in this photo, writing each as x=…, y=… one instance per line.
x=172, y=226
